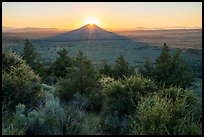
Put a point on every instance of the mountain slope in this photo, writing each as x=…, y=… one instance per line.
x=87, y=32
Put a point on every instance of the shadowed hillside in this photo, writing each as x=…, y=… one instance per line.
x=87, y=32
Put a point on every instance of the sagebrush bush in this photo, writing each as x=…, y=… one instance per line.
x=114, y=124
x=48, y=119
x=55, y=115
x=15, y=124
x=78, y=121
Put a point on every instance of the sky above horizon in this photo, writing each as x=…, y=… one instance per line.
x=110, y=15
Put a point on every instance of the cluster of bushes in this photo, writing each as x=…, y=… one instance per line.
x=85, y=99
x=169, y=70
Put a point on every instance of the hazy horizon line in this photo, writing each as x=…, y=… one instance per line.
x=8, y=28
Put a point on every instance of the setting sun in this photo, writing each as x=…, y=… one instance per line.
x=91, y=21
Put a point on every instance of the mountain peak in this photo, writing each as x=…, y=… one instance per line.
x=86, y=32
x=90, y=26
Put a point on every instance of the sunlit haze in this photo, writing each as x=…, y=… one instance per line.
x=110, y=15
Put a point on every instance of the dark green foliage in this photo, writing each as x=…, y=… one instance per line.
x=159, y=115
x=15, y=124
x=106, y=69
x=83, y=74
x=122, y=97
x=33, y=59
x=127, y=92
x=96, y=100
x=147, y=70
x=169, y=70
x=10, y=61
x=82, y=78
x=19, y=83
x=59, y=67
x=108, y=100
x=122, y=68
x=174, y=93
x=79, y=122
x=65, y=89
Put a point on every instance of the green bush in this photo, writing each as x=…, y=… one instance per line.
x=123, y=94
x=105, y=69
x=48, y=119
x=121, y=98
x=36, y=123
x=152, y=116
x=161, y=115
x=122, y=68
x=84, y=74
x=169, y=70
x=114, y=124
x=177, y=93
x=16, y=123
x=78, y=121
x=59, y=67
x=55, y=115
x=82, y=78
x=96, y=100
x=19, y=83
x=65, y=89
x=33, y=59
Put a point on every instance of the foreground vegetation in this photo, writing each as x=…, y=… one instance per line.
x=74, y=96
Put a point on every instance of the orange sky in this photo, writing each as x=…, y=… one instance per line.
x=110, y=15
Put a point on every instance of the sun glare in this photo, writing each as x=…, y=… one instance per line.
x=91, y=21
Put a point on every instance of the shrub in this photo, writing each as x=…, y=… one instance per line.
x=160, y=115
x=82, y=78
x=65, y=89
x=122, y=94
x=84, y=74
x=106, y=69
x=115, y=125
x=19, y=83
x=121, y=98
x=122, y=68
x=96, y=100
x=78, y=121
x=16, y=123
x=59, y=67
x=33, y=59
x=36, y=123
x=169, y=70
x=177, y=93
x=55, y=115
x=152, y=116
x=48, y=119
